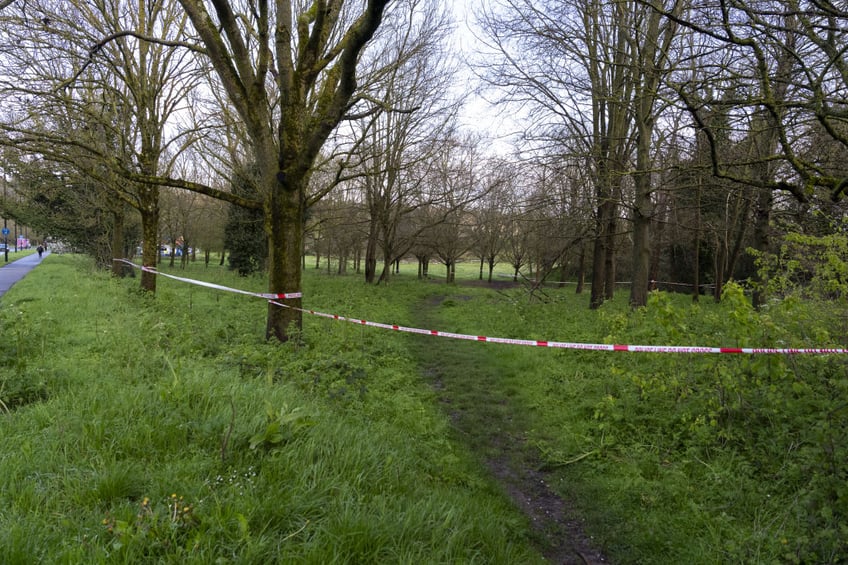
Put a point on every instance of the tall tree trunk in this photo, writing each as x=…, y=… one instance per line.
x=696, y=268
x=119, y=269
x=371, y=251
x=643, y=212
x=388, y=230
x=766, y=141
x=185, y=256
x=599, y=255
x=149, y=246
x=285, y=215
x=610, y=236
x=649, y=62
x=658, y=231
x=720, y=260
x=149, y=210
x=741, y=223
x=609, y=258
x=641, y=252
x=761, y=239
x=581, y=269
x=386, y=273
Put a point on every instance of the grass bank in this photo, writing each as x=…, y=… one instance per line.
x=139, y=429
x=670, y=458
x=166, y=429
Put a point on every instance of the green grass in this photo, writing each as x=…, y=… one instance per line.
x=140, y=399
x=140, y=429
x=675, y=459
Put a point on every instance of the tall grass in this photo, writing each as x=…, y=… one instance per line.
x=140, y=429
x=682, y=458
x=166, y=429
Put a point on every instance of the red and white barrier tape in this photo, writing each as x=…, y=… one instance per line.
x=265, y=295
x=526, y=342
x=572, y=345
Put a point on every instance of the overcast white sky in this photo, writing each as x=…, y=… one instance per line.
x=479, y=114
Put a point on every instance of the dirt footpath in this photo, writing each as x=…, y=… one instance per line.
x=486, y=419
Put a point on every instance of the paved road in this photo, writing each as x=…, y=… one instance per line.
x=13, y=271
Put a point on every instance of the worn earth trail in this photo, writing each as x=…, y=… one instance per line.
x=487, y=419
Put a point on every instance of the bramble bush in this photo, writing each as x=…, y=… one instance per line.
x=781, y=421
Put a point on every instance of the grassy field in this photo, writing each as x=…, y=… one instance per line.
x=166, y=429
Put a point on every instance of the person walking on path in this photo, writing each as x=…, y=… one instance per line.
x=10, y=273
x=40, y=250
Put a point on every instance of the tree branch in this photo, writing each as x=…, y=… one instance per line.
x=106, y=40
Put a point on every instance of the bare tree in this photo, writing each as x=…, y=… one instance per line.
x=289, y=74
x=555, y=214
x=577, y=97
x=396, y=143
x=651, y=59
x=337, y=227
x=90, y=90
x=595, y=93
x=788, y=71
x=454, y=184
x=780, y=80
x=309, y=59
x=490, y=214
x=517, y=245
